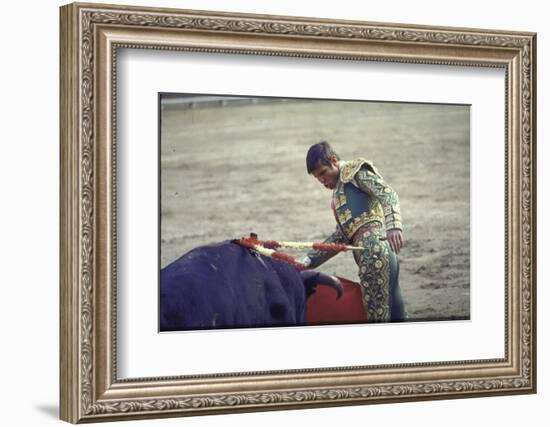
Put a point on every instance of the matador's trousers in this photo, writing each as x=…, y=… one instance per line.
x=379, y=278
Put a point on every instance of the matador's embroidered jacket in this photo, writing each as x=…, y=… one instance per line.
x=361, y=198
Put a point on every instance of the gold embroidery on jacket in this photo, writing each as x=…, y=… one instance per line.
x=349, y=224
x=349, y=169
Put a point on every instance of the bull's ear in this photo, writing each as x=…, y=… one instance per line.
x=310, y=279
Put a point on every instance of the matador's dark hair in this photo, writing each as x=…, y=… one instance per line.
x=319, y=153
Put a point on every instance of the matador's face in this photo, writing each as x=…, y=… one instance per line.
x=327, y=174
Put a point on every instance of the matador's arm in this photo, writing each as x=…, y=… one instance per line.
x=315, y=258
x=373, y=184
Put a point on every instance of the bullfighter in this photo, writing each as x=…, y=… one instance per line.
x=367, y=214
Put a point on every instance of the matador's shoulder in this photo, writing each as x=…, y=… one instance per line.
x=349, y=169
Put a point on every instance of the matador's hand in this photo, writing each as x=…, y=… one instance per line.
x=395, y=239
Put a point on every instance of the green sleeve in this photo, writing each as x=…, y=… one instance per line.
x=315, y=258
x=375, y=186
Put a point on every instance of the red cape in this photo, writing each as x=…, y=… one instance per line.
x=324, y=308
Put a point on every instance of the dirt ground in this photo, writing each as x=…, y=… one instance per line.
x=234, y=167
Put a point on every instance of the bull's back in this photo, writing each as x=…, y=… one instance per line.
x=226, y=286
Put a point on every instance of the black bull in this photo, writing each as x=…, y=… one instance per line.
x=227, y=286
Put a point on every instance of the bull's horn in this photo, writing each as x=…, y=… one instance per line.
x=333, y=282
x=312, y=278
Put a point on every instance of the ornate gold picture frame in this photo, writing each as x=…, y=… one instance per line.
x=91, y=36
